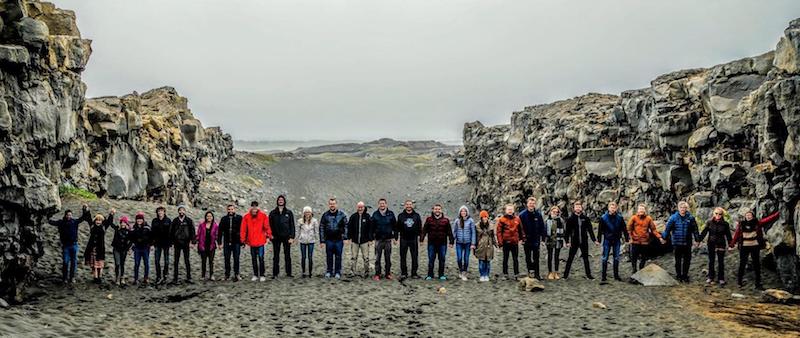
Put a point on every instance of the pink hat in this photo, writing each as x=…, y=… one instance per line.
x=139, y=215
x=123, y=219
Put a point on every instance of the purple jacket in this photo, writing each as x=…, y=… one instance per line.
x=201, y=236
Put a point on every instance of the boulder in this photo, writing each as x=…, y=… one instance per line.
x=787, y=53
x=776, y=296
x=654, y=275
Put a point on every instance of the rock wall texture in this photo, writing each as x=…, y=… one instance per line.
x=721, y=136
x=145, y=146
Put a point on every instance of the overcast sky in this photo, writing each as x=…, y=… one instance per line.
x=331, y=70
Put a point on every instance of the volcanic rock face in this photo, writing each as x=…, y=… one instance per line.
x=722, y=136
x=138, y=146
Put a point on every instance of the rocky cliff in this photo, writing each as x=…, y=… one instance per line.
x=145, y=146
x=721, y=136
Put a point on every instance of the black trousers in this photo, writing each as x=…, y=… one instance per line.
x=532, y=258
x=406, y=247
x=276, y=256
x=638, y=253
x=232, y=250
x=573, y=250
x=683, y=260
x=207, y=259
x=185, y=249
x=513, y=251
x=753, y=252
x=553, y=259
x=716, y=255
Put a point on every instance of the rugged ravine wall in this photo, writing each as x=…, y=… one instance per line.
x=145, y=146
x=721, y=136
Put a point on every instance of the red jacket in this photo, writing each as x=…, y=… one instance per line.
x=509, y=230
x=255, y=230
x=756, y=231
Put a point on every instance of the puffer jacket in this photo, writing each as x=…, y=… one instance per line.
x=255, y=230
x=612, y=227
x=333, y=226
x=484, y=250
x=532, y=226
x=437, y=230
x=640, y=228
x=719, y=233
x=464, y=234
x=384, y=226
x=307, y=233
x=509, y=230
x=681, y=229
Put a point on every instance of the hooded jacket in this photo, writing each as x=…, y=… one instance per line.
x=579, y=230
x=640, y=228
x=484, y=249
x=255, y=230
x=333, y=226
x=612, y=227
x=437, y=230
x=202, y=228
x=510, y=230
x=719, y=233
x=681, y=229
x=751, y=233
x=465, y=234
x=282, y=222
x=533, y=226
x=230, y=228
x=360, y=228
x=182, y=230
x=159, y=231
x=409, y=225
x=68, y=228
x=384, y=225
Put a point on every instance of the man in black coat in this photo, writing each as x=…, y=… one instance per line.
x=579, y=231
x=229, y=231
x=281, y=220
x=162, y=240
x=409, y=226
x=183, y=235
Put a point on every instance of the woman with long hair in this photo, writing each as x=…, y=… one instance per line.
x=207, y=242
x=308, y=236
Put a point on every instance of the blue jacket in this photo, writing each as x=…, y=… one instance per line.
x=383, y=226
x=612, y=227
x=681, y=229
x=333, y=226
x=467, y=234
x=533, y=226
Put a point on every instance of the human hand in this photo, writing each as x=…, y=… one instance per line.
x=291, y=240
x=321, y=245
x=596, y=243
x=112, y=211
x=567, y=245
x=472, y=247
x=663, y=241
x=450, y=246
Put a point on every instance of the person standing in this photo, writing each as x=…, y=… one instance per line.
x=533, y=227
x=464, y=233
x=68, y=236
x=359, y=233
x=440, y=236
x=681, y=229
x=256, y=233
x=641, y=230
x=509, y=234
x=332, y=233
x=308, y=236
x=121, y=244
x=579, y=232
x=484, y=251
x=611, y=228
x=281, y=220
x=162, y=241
x=141, y=239
x=384, y=233
x=749, y=237
x=183, y=234
x=556, y=229
x=230, y=227
x=719, y=235
x=409, y=226
x=95, y=253
x=207, y=241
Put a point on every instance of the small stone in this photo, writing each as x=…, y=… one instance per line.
x=110, y=296
x=598, y=305
x=3, y=303
x=738, y=296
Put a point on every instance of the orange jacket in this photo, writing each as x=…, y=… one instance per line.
x=255, y=230
x=509, y=230
x=640, y=228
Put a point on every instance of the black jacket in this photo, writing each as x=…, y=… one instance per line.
x=159, y=232
x=282, y=223
x=183, y=231
x=360, y=228
x=409, y=225
x=140, y=235
x=719, y=233
x=97, y=239
x=384, y=225
x=68, y=229
x=579, y=235
x=121, y=241
x=229, y=229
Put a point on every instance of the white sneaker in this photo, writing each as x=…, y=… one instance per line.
x=464, y=276
x=254, y=279
x=263, y=279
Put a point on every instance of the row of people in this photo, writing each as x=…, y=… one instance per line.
x=380, y=231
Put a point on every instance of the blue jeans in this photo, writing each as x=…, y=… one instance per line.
x=141, y=254
x=462, y=256
x=307, y=252
x=234, y=250
x=433, y=252
x=69, y=254
x=333, y=256
x=484, y=267
x=257, y=257
x=609, y=246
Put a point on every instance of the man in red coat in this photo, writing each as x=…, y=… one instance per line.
x=256, y=233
